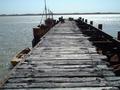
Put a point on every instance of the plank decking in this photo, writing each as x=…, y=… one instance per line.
x=63, y=60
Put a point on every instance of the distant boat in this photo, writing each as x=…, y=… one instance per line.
x=18, y=57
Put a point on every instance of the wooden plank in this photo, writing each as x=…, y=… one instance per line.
x=66, y=56
x=57, y=80
x=83, y=80
x=51, y=85
x=61, y=51
x=80, y=88
x=64, y=50
x=59, y=57
x=65, y=62
x=70, y=36
x=115, y=81
x=42, y=73
x=54, y=85
x=58, y=44
x=109, y=81
x=65, y=67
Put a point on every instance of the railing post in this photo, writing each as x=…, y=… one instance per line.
x=100, y=26
x=91, y=22
x=82, y=19
x=118, y=37
x=85, y=20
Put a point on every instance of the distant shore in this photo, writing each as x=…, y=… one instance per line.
x=55, y=14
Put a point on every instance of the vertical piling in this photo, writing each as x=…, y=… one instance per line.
x=100, y=26
x=85, y=20
x=91, y=22
x=82, y=19
x=118, y=37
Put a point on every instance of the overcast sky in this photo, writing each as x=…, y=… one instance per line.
x=37, y=6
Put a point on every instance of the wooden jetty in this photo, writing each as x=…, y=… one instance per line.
x=64, y=59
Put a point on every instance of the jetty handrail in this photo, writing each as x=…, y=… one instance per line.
x=107, y=36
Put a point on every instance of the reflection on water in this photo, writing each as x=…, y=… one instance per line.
x=16, y=33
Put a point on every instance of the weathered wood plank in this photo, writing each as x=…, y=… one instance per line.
x=59, y=57
x=55, y=79
x=60, y=48
x=64, y=62
x=66, y=56
x=108, y=81
x=64, y=50
x=42, y=73
x=70, y=36
x=55, y=85
x=65, y=67
x=80, y=88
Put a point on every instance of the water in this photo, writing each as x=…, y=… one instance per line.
x=16, y=33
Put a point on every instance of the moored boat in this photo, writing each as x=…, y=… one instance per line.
x=18, y=57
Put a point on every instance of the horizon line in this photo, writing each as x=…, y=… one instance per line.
x=60, y=13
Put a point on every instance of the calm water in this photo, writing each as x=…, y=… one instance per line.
x=16, y=33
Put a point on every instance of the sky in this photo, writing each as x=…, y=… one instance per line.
x=58, y=6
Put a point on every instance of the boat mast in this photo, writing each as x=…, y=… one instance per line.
x=45, y=9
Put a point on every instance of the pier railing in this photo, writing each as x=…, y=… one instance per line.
x=104, y=42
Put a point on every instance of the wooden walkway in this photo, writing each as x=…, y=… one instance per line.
x=63, y=60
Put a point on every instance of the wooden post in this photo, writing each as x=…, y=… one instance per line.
x=100, y=26
x=85, y=20
x=99, y=35
x=91, y=22
x=80, y=18
x=118, y=37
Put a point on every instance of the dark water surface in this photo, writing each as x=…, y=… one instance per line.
x=16, y=33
